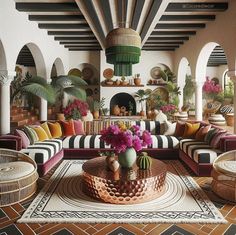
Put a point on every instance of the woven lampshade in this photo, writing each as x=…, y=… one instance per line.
x=123, y=48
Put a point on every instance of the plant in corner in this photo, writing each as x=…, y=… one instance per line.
x=142, y=95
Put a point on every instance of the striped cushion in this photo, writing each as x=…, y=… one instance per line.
x=227, y=109
x=42, y=151
x=199, y=151
x=84, y=141
x=155, y=127
x=93, y=141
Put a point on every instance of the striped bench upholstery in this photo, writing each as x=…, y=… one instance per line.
x=199, y=151
x=227, y=109
x=42, y=151
x=93, y=141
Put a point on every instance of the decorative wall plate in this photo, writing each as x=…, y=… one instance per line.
x=87, y=73
x=75, y=72
x=108, y=73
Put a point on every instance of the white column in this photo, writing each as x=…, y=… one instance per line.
x=198, y=101
x=233, y=79
x=5, y=80
x=181, y=97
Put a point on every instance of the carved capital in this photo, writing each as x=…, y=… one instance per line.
x=6, y=77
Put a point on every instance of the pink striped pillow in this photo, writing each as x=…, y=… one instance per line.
x=24, y=138
x=215, y=142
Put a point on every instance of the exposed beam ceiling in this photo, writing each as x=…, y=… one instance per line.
x=25, y=57
x=217, y=57
x=162, y=24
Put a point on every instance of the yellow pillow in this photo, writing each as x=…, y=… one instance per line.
x=190, y=130
x=55, y=129
x=42, y=135
x=46, y=128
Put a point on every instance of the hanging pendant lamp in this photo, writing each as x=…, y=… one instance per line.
x=123, y=48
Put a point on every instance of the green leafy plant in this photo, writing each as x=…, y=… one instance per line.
x=142, y=95
x=189, y=89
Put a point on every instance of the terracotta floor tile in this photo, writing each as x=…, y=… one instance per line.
x=149, y=227
x=91, y=230
x=25, y=229
x=75, y=229
x=10, y=212
x=100, y=226
x=34, y=226
x=232, y=214
x=220, y=229
x=18, y=207
x=83, y=226
x=159, y=229
x=44, y=228
x=206, y=229
x=191, y=229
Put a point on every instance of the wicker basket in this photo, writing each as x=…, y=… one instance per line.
x=16, y=190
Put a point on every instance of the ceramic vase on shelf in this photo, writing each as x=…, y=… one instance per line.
x=127, y=158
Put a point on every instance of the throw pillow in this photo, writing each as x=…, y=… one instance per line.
x=215, y=142
x=55, y=129
x=24, y=138
x=41, y=133
x=190, y=130
x=68, y=127
x=169, y=128
x=179, y=130
x=161, y=117
x=46, y=128
x=201, y=133
x=79, y=127
x=210, y=134
x=32, y=135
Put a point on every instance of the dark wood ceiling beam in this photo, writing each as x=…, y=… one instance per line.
x=47, y=7
x=166, y=42
x=173, y=33
x=78, y=42
x=76, y=46
x=157, y=49
x=106, y=8
x=63, y=26
x=179, y=26
x=197, y=7
x=187, y=18
x=85, y=49
x=74, y=38
x=137, y=12
x=151, y=15
x=56, y=18
x=168, y=38
x=77, y=33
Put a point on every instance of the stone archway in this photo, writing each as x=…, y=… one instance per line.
x=59, y=66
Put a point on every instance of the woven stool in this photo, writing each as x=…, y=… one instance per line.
x=18, y=176
x=224, y=176
x=217, y=119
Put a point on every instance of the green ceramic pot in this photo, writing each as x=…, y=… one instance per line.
x=127, y=158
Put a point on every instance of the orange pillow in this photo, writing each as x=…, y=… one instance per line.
x=42, y=135
x=190, y=130
x=55, y=129
x=179, y=130
x=46, y=128
x=68, y=128
x=201, y=133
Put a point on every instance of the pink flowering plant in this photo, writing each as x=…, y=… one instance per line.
x=210, y=89
x=168, y=109
x=121, y=137
x=75, y=109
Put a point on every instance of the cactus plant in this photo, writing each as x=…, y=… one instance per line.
x=144, y=162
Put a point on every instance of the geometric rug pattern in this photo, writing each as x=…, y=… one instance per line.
x=62, y=200
x=9, y=215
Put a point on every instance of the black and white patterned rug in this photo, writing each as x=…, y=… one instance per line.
x=62, y=200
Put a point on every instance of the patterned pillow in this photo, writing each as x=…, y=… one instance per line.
x=32, y=135
x=215, y=142
x=79, y=127
x=190, y=130
x=179, y=130
x=46, y=128
x=201, y=133
x=24, y=138
x=55, y=129
x=41, y=133
x=169, y=128
x=68, y=127
x=210, y=134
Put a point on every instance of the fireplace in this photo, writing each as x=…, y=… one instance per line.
x=125, y=102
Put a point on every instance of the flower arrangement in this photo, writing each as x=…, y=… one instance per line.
x=210, y=89
x=168, y=109
x=75, y=109
x=121, y=137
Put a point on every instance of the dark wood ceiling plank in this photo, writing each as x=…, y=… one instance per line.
x=94, y=18
x=197, y=7
x=74, y=38
x=82, y=33
x=47, y=7
x=63, y=26
x=84, y=49
x=176, y=42
x=56, y=17
x=77, y=42
x=179, y=26
x=187, y=17
x=151, y=15
x=173, y=33
x=106, y=8
x=137, y=12
x=160, y=49
x=168, y=38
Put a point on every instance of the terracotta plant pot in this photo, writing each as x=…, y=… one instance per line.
x=96, y=114
x=116, y=110
x=142, y=113
x=137, y=81
x=60, y=116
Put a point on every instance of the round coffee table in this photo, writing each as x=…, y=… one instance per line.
x=125, y=186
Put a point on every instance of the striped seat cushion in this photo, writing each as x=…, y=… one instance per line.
x=199, y=151
x=42, y=151
x=164, y=142
x=84, y=141
x=155, y=127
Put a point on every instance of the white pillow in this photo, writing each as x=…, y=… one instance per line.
x=169, y=128
x=161, y=117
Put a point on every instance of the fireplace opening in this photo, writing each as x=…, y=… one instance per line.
x=122, y=104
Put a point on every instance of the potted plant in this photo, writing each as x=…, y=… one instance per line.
x=189, y=89
x=137, y=79
x=142, y=95
x=96, y=108
x=123, y=82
